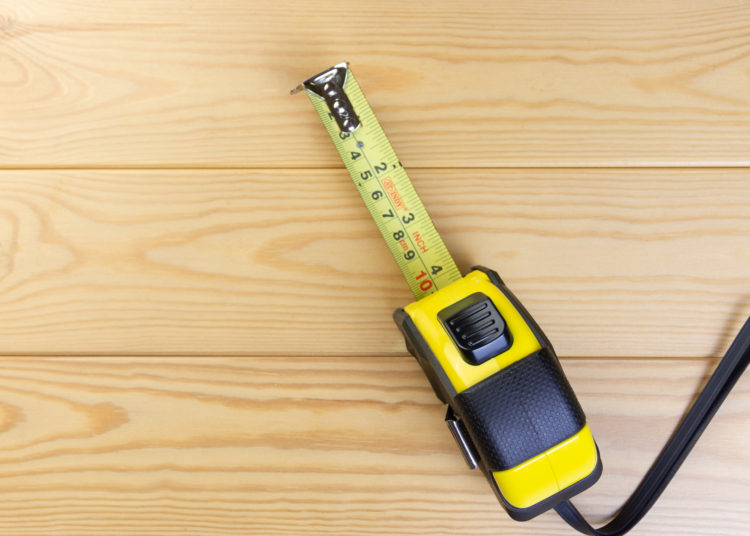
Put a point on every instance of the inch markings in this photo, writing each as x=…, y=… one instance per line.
x=389, y=195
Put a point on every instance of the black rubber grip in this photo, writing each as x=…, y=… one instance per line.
x=521, y=411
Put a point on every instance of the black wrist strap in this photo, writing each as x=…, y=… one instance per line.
x=677, y=448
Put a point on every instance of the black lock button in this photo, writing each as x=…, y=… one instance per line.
x=477, y=328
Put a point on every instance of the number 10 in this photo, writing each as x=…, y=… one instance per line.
x=426, y=284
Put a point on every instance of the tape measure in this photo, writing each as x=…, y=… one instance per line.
x=511, y=410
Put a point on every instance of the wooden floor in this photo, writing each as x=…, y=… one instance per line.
x=195, y=330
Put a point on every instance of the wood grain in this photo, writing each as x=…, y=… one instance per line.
x=162, y=83
x=183, y=231
x=322, y=445
x=611, y=262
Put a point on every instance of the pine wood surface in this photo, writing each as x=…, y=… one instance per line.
x=322, y=445
x=459, y=84
x=649, y=262
x=195, y=332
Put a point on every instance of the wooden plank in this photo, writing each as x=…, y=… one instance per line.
x=610, y=262
x=319, y=446
x=122, y=83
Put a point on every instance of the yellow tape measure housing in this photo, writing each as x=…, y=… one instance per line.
x=385, y=188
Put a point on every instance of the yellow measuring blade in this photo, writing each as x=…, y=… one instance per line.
x=381, y=180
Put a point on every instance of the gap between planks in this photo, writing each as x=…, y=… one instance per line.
x=193, y=167
x=183, y=355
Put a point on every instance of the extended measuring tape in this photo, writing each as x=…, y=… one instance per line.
x=382, y=182
x=511, y=410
